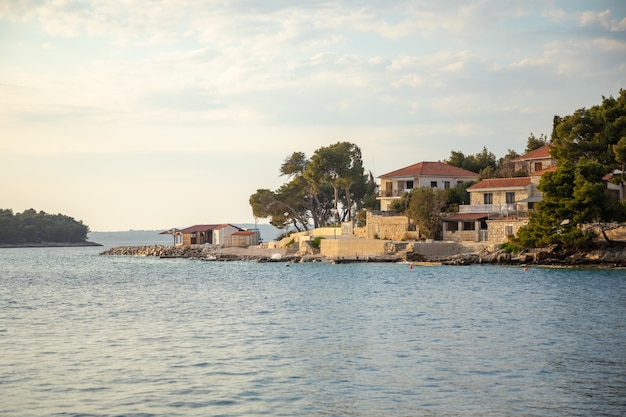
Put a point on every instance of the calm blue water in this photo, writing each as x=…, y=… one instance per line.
x=83, y=334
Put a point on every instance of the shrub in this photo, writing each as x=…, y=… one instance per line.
x=315, y=243
x=510, y=247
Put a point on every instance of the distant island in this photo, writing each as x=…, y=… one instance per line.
x=40, y=229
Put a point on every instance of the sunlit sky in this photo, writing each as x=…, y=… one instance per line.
x=148, y=114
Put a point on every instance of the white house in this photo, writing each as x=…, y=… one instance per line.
x=423, y=174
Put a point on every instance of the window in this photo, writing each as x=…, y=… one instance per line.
x=433, y=184
x=409, y=185
x=446, y=185
x=538, y=166
x=488, y=198
x=452, y=226
x=510, y=197
x=469, y=226
x=508, y=230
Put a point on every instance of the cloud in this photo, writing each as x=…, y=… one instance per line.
x=588, y=18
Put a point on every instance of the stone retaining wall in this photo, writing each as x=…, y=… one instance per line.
x=344, y=248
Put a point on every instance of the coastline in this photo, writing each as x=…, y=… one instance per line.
x=602, y=255
x=48, y=245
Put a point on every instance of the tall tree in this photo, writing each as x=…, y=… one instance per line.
x=339, y=165
x=586, y=147
x=424, y=208
x=619, y=174
x=536, y=142
x=482, y=161
x=506, y=166
x=333, y=178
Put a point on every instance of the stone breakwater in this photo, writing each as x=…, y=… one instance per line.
x=252, y=253
x=600, y=255
x=206, y=253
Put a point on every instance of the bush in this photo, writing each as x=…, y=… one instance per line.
x=291, y=242
x=510, y=247
x=315, y=243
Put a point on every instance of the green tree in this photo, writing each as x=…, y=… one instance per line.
x=586, y=146
x=482, y=161
x=619, y=174
x=339, y=165
x=506, y=166
x=424, y=209
x=332, y=179
x=31, y=226
x=536, y=142
x=457, y=196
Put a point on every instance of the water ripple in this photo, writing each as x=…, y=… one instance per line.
x=84, y=335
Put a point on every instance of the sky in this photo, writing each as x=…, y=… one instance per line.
x=152, y=114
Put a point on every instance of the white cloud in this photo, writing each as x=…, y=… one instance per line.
x=607, y=44
x=409, y=80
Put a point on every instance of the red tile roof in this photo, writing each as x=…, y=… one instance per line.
x=498, y=183
x=438, y=169
x=204, y=228
x=539, y=153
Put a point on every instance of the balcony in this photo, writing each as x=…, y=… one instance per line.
x=394, y=193
x=496, y=211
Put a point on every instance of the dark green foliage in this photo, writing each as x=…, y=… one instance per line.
x=483, y=160
x=329, y=187
x=457, y=196
x=424, y=209
x=587, y=145
x=36, y=227
x=315, y=243
x=510, y=247
x=536, y=142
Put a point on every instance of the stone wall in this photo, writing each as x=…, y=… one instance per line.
x=387, y=227
x=499, y=196
x=351, y=248
x=497, y=229
x=360, y=232
x=461, y=235
x=443, y=249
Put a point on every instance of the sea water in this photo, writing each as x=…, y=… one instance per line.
x=88, y=335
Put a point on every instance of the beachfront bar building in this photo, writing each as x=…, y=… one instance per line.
x=215, y=234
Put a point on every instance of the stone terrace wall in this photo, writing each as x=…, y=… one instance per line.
x=387, y=227
x=497, y=229
x=348, y=248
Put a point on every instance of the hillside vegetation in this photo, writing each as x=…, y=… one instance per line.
x=31, y=226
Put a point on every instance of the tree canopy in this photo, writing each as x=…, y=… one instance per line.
x=425, y=205
x=483, y=162
x=587, y=145
x=328, y=187
x=31, y=226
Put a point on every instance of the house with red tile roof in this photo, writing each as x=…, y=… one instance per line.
x=423, y=174
x=500, y=206
x=536, y=160
x=215, y=234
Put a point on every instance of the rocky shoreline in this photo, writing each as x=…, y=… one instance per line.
x=606, y=256
x=601, y=255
